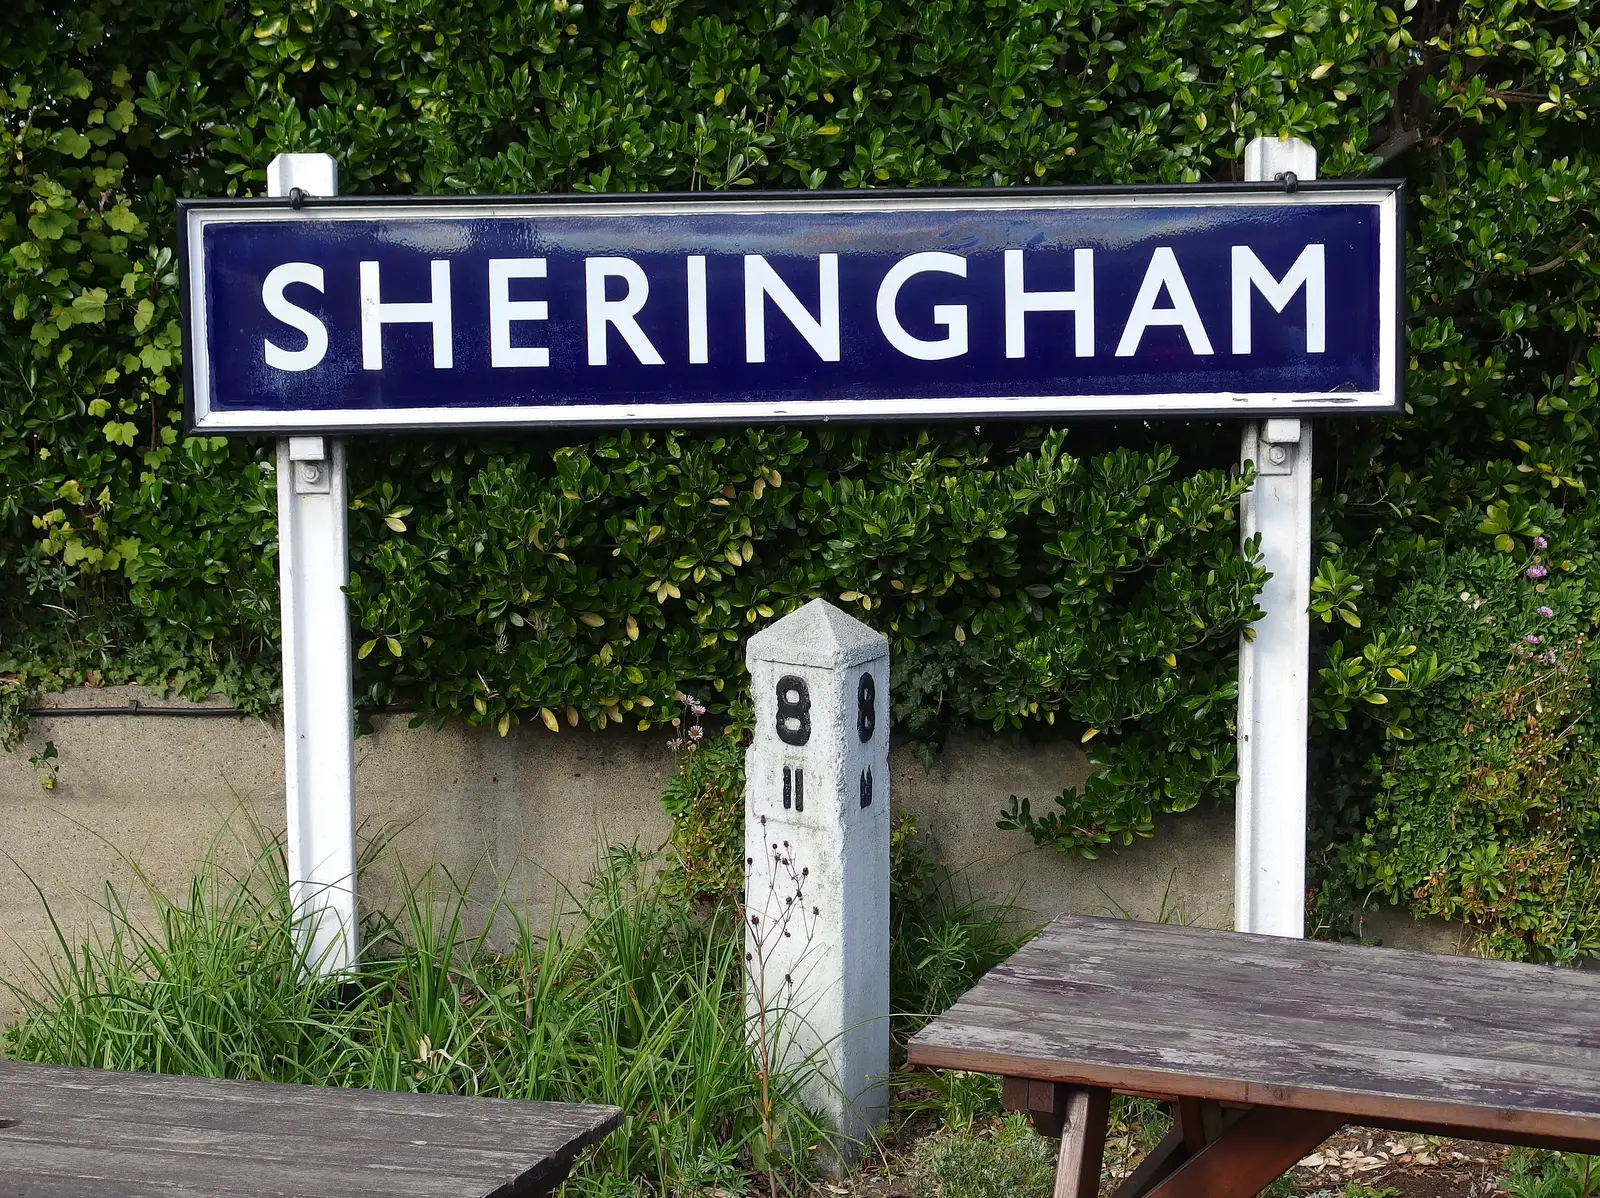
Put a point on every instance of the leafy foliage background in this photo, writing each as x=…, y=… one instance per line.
x=1089, y=578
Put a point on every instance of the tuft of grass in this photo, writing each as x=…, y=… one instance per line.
x=1007, y=1159
x=1532, y=1174
x=1136, y=1126
x=636, y=1001
x=957, y=1101
x=210, y=986
x=942, y=937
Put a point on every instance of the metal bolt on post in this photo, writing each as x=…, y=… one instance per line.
x=817, y=859
x=318, y=705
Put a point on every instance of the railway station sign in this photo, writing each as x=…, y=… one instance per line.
x=368, y=314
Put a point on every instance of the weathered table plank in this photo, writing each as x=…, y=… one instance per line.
x=85, y=1133
x=1489, y=1048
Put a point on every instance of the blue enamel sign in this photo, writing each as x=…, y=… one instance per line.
x=359, y=314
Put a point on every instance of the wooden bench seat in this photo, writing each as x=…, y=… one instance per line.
x=88, y=1133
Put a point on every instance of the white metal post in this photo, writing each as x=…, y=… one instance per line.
x=318, y=706
x=1274, y=666
x=817, y=858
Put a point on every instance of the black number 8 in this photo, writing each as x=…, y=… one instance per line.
x=866, y=707
x=794, y=710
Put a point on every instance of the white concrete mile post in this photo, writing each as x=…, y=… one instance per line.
x=318, y=706
x=1274, y=666
x=817, y=858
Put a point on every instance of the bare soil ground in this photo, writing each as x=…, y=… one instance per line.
x=1414, y=1166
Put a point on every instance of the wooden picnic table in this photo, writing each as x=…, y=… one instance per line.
x=1268, y=1046
x=88, y=1133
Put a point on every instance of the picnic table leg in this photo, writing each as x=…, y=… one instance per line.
x=1075, y=1113
x=1200, y=1121
x=1083, y=1143
x=1249, y=1155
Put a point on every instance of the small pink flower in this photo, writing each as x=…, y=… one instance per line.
x=1540, y=543
x=1546, y=613
x=1537, y=572
x=1530, y=639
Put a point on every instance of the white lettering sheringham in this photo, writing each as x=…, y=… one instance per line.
x=821, y=332
x=951, y=316
x=1309, y=271
x=504, y=311
x=375, y=314
x=619, y=313
x=1163, y=273
x=1079, y=301
x=296, y=317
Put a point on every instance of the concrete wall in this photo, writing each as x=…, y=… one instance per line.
x=529, y=811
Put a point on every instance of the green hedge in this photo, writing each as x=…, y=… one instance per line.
x=1470, y=791
x=1027, y=577
x=1488, y=812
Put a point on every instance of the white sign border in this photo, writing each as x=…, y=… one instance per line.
x=1387, y=196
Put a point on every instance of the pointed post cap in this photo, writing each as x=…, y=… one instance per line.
x=820, y=635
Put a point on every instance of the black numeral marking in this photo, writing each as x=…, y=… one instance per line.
x=794, y=789
x=866, y=708
x=794, y=710
x=866, y=787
